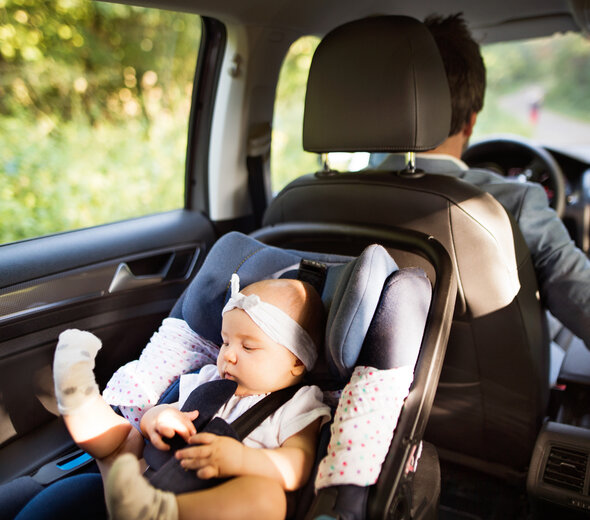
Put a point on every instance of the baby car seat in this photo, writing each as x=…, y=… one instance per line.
x=376, y=317
x=382, y=322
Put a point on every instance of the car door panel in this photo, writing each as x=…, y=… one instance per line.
x=118, y=281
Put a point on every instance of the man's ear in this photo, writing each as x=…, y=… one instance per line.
x=468, y=126
x=298, y=369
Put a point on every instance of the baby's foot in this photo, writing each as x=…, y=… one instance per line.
x=73, y=366
x=129, y=496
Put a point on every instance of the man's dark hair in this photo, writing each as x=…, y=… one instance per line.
x=464, y=66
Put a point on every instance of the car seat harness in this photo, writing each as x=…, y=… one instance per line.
x=165, y=471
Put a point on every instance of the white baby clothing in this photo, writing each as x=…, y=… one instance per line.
x=300, y=411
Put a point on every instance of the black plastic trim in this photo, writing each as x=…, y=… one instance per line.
x=44, y=256
x=209, y=62
x=573, y=440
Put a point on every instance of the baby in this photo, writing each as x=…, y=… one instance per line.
x=270, y=331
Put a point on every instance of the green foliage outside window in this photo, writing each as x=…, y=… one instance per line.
x=94, y=104
x=288, y=160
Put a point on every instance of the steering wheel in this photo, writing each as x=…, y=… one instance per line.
x=520, y=159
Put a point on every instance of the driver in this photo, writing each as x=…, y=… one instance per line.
x=563, y=270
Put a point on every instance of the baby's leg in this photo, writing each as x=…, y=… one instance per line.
x=92, y=423
x=129, y=496
x=240, y=498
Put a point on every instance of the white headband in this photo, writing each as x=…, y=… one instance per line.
x=275, y=323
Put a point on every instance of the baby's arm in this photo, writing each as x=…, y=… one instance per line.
x=217, y=456
x=165, y=420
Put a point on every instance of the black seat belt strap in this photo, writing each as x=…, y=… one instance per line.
x=254, y=416
x=257, y=160
x=312, y=272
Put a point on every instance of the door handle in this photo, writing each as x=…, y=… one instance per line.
x=125, y=279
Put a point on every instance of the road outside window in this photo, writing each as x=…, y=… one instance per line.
x=538, y=89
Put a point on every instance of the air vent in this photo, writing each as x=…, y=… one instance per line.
x=566, y=469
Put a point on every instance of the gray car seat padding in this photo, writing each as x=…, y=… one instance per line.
x=351, y=292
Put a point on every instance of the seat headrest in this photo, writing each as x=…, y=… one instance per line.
x=377, y=85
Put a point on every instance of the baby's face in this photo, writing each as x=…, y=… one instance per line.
x=253, y=360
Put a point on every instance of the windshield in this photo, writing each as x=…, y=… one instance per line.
x=539, y=89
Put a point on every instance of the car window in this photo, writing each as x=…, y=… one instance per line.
x=94, y=109
x=538, y=89
x=288, y=160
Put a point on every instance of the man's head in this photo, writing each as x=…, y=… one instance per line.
x=464, y=66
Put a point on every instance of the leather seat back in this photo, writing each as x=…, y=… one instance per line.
x=379, y=85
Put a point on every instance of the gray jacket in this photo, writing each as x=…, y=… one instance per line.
x=563, y=270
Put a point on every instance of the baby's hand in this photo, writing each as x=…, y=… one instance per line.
x=166, y=421
x=215, y=456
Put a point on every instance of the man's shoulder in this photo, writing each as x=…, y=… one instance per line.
x=507, y=191
x=494, y=183
x=481, y=176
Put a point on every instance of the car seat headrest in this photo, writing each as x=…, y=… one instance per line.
x=201, y=304
x=377, y=85
x=395, y=335
x=351, y=294
x=354, y=290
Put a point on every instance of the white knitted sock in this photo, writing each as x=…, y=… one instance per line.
x=129, y=496
x=73, y=366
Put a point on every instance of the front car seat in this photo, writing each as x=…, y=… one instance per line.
x=379, y=85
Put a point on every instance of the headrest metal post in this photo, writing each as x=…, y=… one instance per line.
x=410, y=160
x=325, y=162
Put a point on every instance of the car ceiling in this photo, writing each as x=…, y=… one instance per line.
x=490, y=21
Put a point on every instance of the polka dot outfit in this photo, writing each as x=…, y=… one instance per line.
x=363, y=426
x=173, y=350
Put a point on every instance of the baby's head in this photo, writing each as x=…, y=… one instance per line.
x=270, y=333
